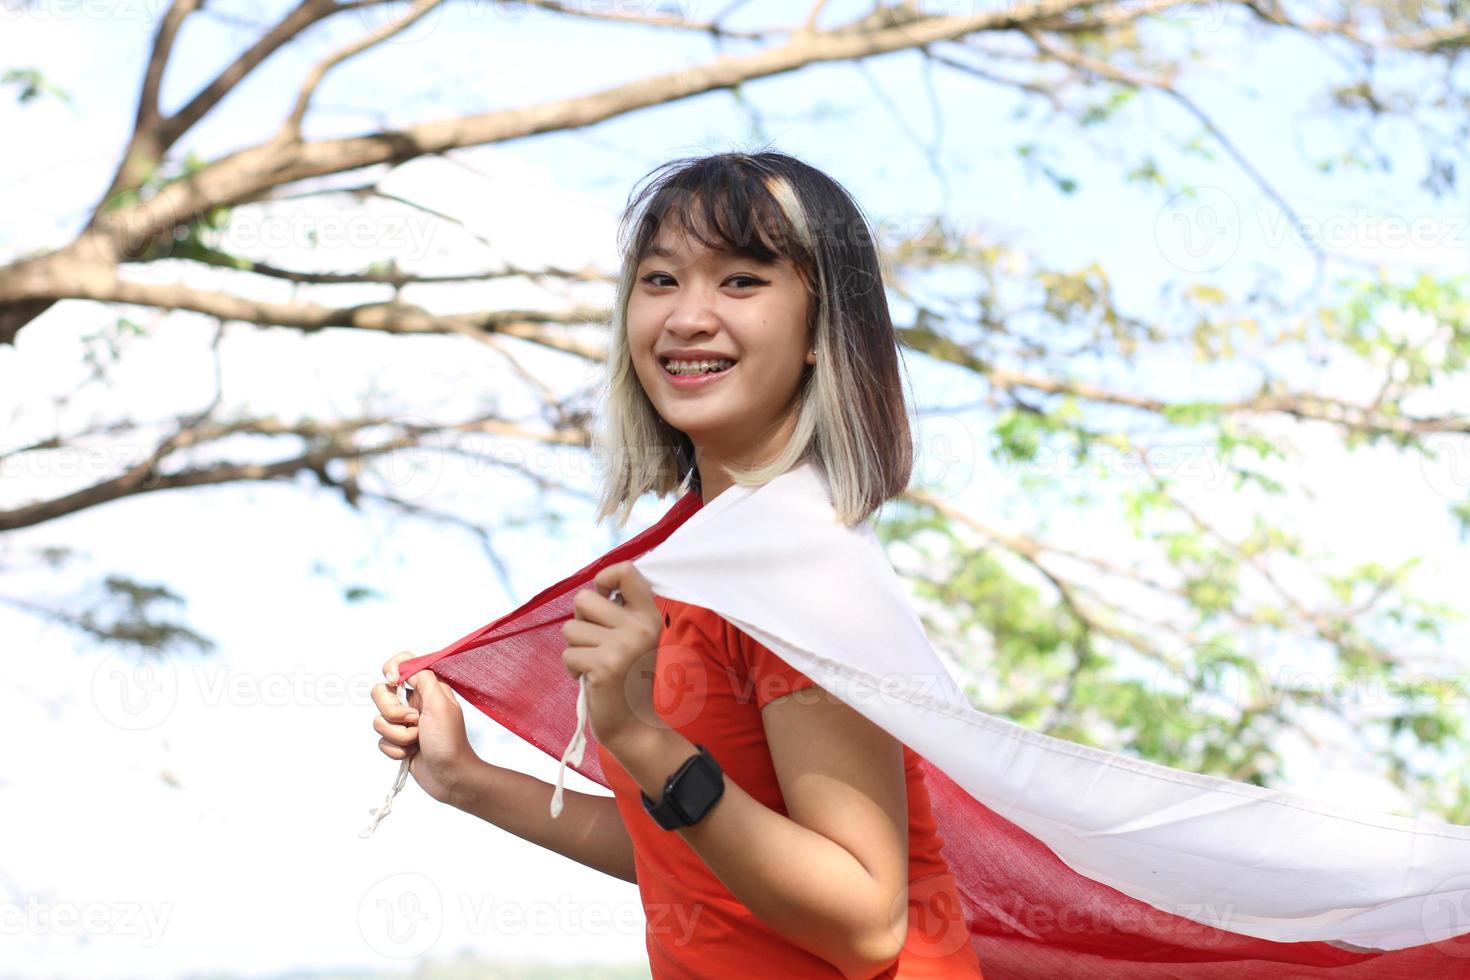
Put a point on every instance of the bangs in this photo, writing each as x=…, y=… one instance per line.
x=731, y=210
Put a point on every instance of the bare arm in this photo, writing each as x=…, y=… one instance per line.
x=431, y=729
x=833, y=876
x=590, y=829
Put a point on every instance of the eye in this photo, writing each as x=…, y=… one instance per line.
x=739, y=282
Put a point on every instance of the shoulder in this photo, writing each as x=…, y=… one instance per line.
x=770, y=677
x=691, y=625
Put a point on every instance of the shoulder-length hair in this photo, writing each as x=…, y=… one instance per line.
x=852, y=419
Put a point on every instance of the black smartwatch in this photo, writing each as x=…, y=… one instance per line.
x=689, y=793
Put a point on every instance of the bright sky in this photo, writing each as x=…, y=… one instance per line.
x=201, y=814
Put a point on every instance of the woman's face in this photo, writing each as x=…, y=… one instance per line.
x=690, y=299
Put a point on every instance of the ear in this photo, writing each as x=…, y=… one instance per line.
x=811, y=356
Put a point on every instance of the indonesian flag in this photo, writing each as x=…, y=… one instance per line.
x=1071, y=861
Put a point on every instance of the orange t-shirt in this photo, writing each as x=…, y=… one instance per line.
x=710, y=685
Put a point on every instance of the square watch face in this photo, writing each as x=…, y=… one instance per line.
x=699, y=783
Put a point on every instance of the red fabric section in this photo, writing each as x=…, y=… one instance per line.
x=511, y=669
x=1030, y=916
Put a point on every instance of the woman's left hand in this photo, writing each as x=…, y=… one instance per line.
x=616, y=646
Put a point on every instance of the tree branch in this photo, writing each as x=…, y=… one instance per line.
x=146, y=476
x=168, y=28
x=291, y=128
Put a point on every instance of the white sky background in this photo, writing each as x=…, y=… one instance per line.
x=212, y=825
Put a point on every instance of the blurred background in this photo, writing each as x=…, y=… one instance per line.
x=302, y=315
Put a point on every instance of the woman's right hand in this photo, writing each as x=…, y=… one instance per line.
x=430, y=728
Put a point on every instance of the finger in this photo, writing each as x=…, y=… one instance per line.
x=627, y=579
x=390, y=668
x=404, y=735
x=579, y=633
x=593, y=607
x=393, y=709
x=392, y=751
x=429, y=688
x=577, y=660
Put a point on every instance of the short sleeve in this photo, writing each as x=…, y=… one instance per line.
x=770, y=677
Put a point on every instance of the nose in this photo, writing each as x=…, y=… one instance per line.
x=693, y=312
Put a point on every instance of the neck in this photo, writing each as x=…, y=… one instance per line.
x=711, y=460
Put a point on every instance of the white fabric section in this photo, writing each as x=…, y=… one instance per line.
x=777, y=563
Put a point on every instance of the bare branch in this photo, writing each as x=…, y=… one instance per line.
x=101, y=283
x=1136, y=80
x=291, y=128
x=1303, y=405
x=1452, y=35
x=163, y=42
x=255, y=169
x=332, y=441
x=250, y=172
x=591, y=12
x=392, y=276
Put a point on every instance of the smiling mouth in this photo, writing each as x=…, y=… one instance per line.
x=721, y=365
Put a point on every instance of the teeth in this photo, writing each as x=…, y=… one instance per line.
x=695, y=367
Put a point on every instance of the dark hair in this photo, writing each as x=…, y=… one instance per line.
x=852, y=419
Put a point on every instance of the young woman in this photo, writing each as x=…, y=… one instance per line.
x=751, y=334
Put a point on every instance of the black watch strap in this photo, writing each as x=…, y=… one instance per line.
x=689, y=793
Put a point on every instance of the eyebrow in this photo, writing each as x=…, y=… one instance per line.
x=652, y=250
